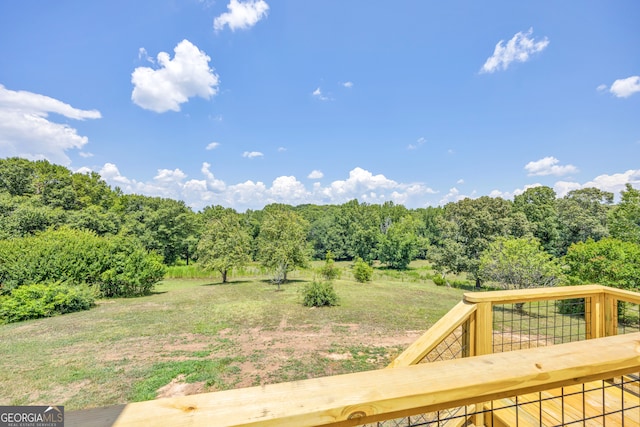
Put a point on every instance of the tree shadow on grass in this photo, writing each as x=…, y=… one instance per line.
x=229, y=282
x=288, y=282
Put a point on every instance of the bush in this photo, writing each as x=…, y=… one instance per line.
x=39, y=300
x=116, y=266
x=319, y=294
x=329, y=271
x=439, y=280
x=362, y=271
x=131, y=270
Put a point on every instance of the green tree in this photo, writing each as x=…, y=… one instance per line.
x=400, y=244
x=467, y=228
x=624, y=220
x=282, y=244
x=539, y=206
x=519, y=264
x=224, y=244
x=582, y=215
x=162, y=225
x=608, y=262
x=16, y=176
x=361, y=224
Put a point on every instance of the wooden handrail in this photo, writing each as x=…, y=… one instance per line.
x=355, y=399
x=459, y=314
x=539, y=294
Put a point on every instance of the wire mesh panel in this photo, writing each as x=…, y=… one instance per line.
x=612, y=402
x=450, y=417
x=452, y=347
x=628, y=317
x=537, y=324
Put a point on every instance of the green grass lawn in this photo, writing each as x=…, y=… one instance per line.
x=215, y=337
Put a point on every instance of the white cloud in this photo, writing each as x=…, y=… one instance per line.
x=347, y=84
x=363, y=185
x=315, y=174
x=562, y=188
x=460, y=181
x=623, y=88
x=518, y=49
x=252, y=154
x=26, y=130
x=616, y=182
x=602, y=88
x=452, y=196
x=419, y=142
x=319, y=95
x=198, y=193
x=212, y=182
x=85, y=154
x=185, y=76
x=281, y=149
x=143, y=55
x=549, y=166
x=213, y=145
x=241, y=15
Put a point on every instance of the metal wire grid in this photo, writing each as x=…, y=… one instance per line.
x=432, y=419
x=452, y=347
x=598, y=403
x=628, y=318
x=537, y=324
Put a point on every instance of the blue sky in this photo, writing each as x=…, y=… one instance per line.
x=243, y=103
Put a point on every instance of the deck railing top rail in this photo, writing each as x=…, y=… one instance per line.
x=539, y=294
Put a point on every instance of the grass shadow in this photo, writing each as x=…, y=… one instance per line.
x=288, y=282
x=228, y=282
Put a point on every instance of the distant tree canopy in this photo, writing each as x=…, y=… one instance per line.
x=37, y=197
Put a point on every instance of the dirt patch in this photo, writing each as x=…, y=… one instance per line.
x=178, y=387
x=267, y=352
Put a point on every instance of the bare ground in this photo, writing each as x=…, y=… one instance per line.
x=263, y=352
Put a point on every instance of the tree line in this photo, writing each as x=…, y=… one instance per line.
x=38, y=197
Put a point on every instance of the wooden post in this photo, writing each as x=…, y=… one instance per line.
x=595, y=319
x=610, y=315
x=483, y=345
x=484, y=329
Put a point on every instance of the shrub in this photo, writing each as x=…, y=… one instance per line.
x=319, y=294
x=39, y=300
x=131, y=270
x=329, y=271
x=362, y=271
x=117, y=266
x=439, y=280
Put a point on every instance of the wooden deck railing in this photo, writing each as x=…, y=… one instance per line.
x=409, y=387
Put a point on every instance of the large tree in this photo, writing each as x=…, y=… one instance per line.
x=582, y=215
x=282, y=242
x=624, y=220
x=401, y=243
x=539, y=206
x=608, y=262
x=518, y=264
x=468, y=227
x=224, y=244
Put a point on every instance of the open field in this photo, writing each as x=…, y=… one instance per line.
x=198, y=335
